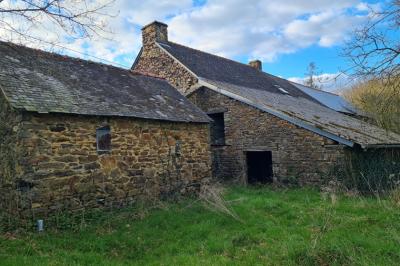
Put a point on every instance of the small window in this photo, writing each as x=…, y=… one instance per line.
x=281, y=89
x=217, y=129
x=103, y=138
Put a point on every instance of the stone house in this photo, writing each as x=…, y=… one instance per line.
x=77, y=134
x=264, y=128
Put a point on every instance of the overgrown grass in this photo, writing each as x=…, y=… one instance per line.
x=276, y=227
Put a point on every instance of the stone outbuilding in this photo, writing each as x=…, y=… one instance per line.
x=77, y=134
x=264, y=128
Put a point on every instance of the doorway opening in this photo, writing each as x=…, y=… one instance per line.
x=259, y=167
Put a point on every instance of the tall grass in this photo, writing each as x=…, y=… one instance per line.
x=375, y=171
x=276, y=227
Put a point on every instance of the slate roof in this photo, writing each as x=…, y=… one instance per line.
x=331, y=100
x=217, y=68
x=309, y=115
x=261, y=90
x=43, y=82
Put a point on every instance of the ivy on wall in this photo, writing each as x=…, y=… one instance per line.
x=8, y=144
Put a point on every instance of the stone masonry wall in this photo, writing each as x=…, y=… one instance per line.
x=154, y=61
x=11, y=158
x=8, y=120
x=149, y=159
x=296, y=152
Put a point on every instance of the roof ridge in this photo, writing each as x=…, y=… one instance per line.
x=60, y=56
x=37, y=81
x=224, y=58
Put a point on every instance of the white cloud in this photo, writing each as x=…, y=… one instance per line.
x=325, y=29
x=332, y=82
x=143, y=12
x=266, y=28
x=263, y=29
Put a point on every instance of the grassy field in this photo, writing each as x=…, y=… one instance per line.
x=276, y=227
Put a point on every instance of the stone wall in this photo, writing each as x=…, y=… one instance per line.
x=11, y=157
x=156, y=62
x=296, y=153
x=149, y=159
x=8, y=120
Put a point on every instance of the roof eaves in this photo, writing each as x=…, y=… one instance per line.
x=381, y=146
x=278, y=114
x=194, y=121
x=179, y=62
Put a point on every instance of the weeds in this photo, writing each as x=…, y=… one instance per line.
x=394, y=196
x=282, y=227
x=375, y=172
x=212, y=198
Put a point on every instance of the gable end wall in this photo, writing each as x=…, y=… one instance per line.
x=154, y=61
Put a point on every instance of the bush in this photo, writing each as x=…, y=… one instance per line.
x=378, y=99
x=370, y=172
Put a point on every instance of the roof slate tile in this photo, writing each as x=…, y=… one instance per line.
x=261, y=90
x=34, y=80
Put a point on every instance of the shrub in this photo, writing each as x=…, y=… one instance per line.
x=374, y=171
x=380, y=100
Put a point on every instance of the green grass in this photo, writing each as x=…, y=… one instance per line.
x=277, y=227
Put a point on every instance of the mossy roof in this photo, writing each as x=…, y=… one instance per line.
x=43, y=82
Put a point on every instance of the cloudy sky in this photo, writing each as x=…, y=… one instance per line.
x=285, y=34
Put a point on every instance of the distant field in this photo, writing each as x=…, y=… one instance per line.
x=277, y=227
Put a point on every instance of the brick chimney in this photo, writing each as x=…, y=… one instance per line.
x=154, y=32
x=256, y=64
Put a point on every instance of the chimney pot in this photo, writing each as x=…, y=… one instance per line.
x=154, y=32
x=256, y=64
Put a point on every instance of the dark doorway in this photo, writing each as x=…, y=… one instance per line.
x=259, y=167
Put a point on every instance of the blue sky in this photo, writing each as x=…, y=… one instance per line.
x=285, y=34
x=327, y=59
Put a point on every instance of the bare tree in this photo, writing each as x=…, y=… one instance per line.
x=374, y=50
x=20, y=19
x=312, y=79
